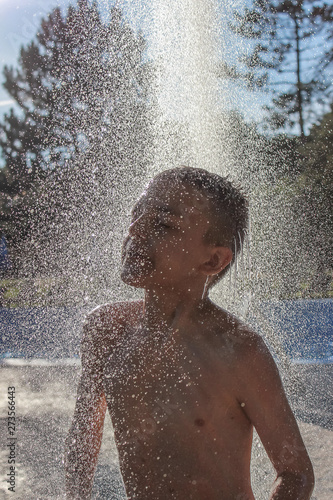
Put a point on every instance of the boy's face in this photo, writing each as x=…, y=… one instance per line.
x=165, y=245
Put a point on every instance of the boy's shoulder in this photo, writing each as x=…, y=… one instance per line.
x=244, y=352
x=237, y=335
x=110, y=315
x=105, y=324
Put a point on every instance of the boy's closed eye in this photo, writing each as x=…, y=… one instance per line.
x=163, y=224
x=167, y=222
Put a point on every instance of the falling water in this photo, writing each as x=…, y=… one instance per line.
x=184, y=47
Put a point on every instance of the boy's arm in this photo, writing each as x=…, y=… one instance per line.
x=85, y=435
x=267, y=407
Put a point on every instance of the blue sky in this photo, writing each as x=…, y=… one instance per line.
x=19, y=21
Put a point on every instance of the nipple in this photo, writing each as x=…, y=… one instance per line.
x=199, y=422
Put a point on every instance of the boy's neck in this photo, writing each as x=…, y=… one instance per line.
x=170, y=311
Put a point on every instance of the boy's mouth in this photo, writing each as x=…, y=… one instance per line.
x=132, y=251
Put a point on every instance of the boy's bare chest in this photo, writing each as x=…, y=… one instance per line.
x=160, y=386
x=139, y=372
x=172, y=413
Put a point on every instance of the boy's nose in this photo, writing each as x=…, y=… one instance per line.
x=138, y=228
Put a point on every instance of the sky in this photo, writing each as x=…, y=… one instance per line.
x=19, y=21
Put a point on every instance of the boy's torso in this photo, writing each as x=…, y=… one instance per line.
x=179, y=424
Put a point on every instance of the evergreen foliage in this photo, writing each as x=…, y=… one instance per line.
x=313, y=201
x=284, y=60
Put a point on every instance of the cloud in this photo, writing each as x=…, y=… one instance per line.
x=7, y=102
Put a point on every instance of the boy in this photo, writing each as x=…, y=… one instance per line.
x=184, y=381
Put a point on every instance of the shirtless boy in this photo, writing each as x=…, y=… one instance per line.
x=184, y=381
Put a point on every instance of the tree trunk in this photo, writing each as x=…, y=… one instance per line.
x=299, y=82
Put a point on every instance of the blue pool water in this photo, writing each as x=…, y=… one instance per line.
x=49, y=333
x=304, y=327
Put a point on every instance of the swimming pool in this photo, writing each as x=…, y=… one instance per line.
x=304, y=328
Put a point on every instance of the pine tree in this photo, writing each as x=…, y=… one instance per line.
x=81, y=133
x=283, y=59
x=313, y=202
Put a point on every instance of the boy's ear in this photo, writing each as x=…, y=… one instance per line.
x=219, y=259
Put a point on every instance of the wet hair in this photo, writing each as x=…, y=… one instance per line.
x=229, y=210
